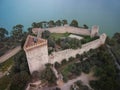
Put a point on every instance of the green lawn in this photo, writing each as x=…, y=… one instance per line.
x=58, y=35
x=5, y=65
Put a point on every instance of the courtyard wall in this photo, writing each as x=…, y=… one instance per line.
x=66, y=54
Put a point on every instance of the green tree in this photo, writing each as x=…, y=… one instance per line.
x=17, y=32
x=57, y=65
x=48, y=75
x=58, y=23
x=85, y=26
x=64, y=22
x=51, y=23
x=19, y=81
x=46, y=34
x=64, y=61
x=51, y=42
x=74, y=23
x=3, y=33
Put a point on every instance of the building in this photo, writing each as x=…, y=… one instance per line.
x=36, y=52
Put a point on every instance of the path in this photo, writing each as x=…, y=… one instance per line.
x=114, y=57
x=5, y=73
x=85, y=78
x=9, y=54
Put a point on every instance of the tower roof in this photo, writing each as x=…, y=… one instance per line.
x=33, y=42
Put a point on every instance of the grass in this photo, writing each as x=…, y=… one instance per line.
x=66, y=70
x=5, y=65
x=4, y=82
x=56, y=36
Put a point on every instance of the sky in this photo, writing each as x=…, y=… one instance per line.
x=91, y=12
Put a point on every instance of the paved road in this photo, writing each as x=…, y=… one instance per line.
x=10, y=54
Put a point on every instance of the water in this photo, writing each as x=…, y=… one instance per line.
x=105, y=13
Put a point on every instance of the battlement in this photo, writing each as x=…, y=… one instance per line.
x=33, y=42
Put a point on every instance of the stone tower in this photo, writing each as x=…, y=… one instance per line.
x=94, y=31
x=37, y=31
x=36, y=53
x=103, y=38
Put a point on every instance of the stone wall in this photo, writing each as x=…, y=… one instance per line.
x=64, y=29
x=37, y=58
x=65, y=54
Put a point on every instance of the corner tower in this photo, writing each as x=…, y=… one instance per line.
x=36, y=52
x=94, y=31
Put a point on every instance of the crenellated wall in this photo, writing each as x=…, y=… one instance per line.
x=66, y=54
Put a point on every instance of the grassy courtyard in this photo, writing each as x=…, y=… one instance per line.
x=56, y=36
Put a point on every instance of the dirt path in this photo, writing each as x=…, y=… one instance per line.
x=85, y=78
x=10, y=54
x=5, y=73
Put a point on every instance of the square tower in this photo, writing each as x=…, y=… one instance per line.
x=36, y=52
x=94, y=31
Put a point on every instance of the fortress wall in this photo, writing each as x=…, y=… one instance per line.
x=64, y=29
x=37, y=59
x=66, y=54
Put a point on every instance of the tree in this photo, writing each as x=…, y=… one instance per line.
x=64, y=22
x=3, y=33
x=46, y=34
x=58, y=23
x=71, y=59
x=17, y=32
x=51, y=42
x=49, y=75
x=57, y=65
x=74, y=23
x=19, y=81
x=51, y=23
x=85, y=26
x=78, y=56
x=64, y=61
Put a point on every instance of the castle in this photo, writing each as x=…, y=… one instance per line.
x=37, y=51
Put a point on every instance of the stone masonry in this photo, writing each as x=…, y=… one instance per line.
x=37, y=51
x=63, y=29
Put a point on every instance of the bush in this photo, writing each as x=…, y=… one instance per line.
x=57, y=65
x=65, y=79
x=78, y=56
x=71, y=59
x=64, y=61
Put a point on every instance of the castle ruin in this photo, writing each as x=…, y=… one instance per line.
x=37, y=51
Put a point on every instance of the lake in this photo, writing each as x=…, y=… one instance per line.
x=105, y=13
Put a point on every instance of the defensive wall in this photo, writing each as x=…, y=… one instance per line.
x=37, y=51
x=94, y=31
x=66, y=54
x=64, y=29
